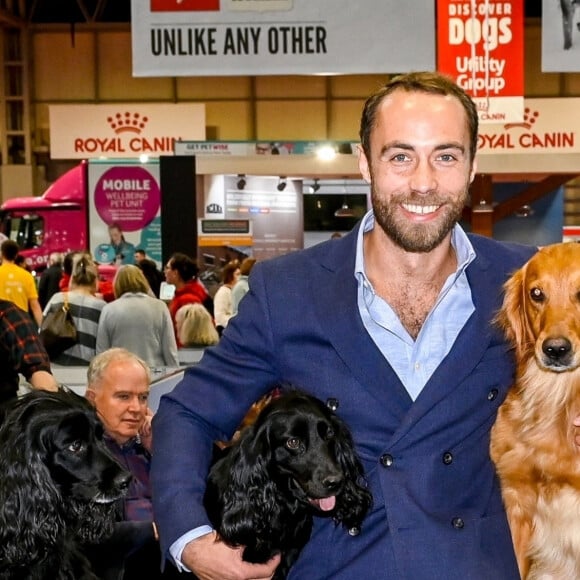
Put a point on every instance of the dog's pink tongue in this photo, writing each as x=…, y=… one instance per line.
x=325, y=504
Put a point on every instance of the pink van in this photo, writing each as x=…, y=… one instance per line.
x=56, y=221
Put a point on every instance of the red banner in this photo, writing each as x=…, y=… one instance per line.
x=185, y=5
x=480, y=43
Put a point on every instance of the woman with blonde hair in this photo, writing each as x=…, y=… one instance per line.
x=195, y=327
x=85, y=308
x=137, y=321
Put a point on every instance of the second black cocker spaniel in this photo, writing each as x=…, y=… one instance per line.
x=58, y=487
x=295, y=462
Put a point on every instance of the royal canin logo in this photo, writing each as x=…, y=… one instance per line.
x=530, y=117
x=527, y=137
x=127, y=122
x=185, y=5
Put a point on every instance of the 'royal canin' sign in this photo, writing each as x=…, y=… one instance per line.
x=549, y=126
x=122, y=130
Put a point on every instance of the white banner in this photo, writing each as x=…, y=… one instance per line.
x=274, y=37
x=221, y=148
x=494, y=109
x=560, y=36
x=549, y=126
x=122, y=130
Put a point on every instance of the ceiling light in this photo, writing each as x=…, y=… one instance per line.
x=524, y=211
x=281, y=184
x=326, y=153
x=315, y=186
x=241, y=182
x=344, y=211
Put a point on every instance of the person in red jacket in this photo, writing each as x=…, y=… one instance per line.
x=181, y=271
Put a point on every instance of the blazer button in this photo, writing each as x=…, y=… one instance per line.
x=354, y=531
x=447, y=458
x=458, y=523
x=492, y=395
x=332, y=404
x=387, y=460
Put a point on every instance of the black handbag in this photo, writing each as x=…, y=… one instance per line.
x=58, y=331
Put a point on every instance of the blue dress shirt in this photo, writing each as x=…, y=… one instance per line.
x=414, y=361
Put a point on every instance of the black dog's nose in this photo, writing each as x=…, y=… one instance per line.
x=332, y=482
x=557, y=349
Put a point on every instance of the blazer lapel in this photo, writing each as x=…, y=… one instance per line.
x=469, y=347
x=338, y=313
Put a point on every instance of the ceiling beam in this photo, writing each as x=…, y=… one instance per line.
x=7, y=18
x=530, y=194
x=84, y=10
x=99, y=10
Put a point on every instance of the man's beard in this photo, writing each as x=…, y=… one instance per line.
x=420, y=237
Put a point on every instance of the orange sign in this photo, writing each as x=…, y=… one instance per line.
x=208, y=241
x=480, y=43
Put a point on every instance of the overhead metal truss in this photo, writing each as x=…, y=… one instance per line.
x=25, y=12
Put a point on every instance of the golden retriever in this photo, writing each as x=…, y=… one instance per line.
x=532, y=441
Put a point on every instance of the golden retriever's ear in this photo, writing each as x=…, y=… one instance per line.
x=512, y=317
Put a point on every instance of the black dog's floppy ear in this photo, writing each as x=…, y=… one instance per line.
x=250, y=492
x=355, y=499
x=30, y=516
x=251, y=456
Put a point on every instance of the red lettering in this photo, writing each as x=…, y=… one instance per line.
x=184, y=5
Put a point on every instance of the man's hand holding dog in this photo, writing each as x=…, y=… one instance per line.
x=211, y=559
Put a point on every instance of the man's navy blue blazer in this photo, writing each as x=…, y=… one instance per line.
x=437, y=511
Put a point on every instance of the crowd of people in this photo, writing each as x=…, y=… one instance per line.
x=391, y=324
x=124, y=330
x=127, y=311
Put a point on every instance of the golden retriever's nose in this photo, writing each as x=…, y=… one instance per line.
x=558, y=350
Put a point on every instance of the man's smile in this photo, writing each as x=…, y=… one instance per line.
x=420, y=209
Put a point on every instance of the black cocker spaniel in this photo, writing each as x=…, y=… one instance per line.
x=58, y=487
x=295, y=462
